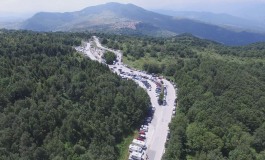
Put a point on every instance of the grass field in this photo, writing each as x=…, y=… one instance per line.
x=124, y=146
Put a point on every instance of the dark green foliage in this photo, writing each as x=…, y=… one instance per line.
x=220, y=101
x=256, y=50
x=57, y=104
x=160, y=99
x=152, y=68
x=109, y=57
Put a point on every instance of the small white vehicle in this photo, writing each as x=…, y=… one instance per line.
x=136, y=156
x=135, y=148
x=144, y=128
x=142, y=136
x=139, y=143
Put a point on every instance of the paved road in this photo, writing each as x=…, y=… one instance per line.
x=158, y=128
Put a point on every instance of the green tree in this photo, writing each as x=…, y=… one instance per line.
x=109, y=57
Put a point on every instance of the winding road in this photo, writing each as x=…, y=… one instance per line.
x=158, y=128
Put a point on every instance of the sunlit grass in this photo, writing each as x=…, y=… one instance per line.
x=124, y=146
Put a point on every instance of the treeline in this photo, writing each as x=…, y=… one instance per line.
x=164, y=52
x=256, y=50
x=221, y=95
x=141, y=46
x=57, y=104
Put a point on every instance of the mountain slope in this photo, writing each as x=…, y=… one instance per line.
x=130, y=19
x=225, y=20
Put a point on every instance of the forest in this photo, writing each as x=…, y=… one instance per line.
x=221, y=94
x=57, y=104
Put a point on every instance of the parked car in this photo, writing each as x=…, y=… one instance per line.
x=144, y=128
x=136, y=156
x=142, y=136
x=142, y=132
x=139, y=143
x=149, y=119
x=140, y=139
x=164, y=102
x=135, y=148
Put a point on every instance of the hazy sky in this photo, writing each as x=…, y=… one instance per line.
x=219, y=6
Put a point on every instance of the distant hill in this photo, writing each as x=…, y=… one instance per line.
x=131, y=19
x=221, y=19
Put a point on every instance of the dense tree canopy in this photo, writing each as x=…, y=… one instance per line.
x=221, y=94
x=57, y=104
x=109, y=57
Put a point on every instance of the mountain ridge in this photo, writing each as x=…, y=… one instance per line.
x=221, y=19
x=131, y=19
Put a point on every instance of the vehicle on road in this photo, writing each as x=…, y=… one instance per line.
x=164, y=102
x=142, y=132
x=144, y=128
x=140, y=139
x=174, y=113
x=149, y=119
x=135, y=148
x=139, y=143
x=168, y=135
x=142, y=136
x=136, y=156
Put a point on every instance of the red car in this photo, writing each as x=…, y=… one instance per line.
x=142, y=132
x=140, y=139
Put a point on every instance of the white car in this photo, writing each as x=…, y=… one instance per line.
x=136, y=156
x=142, y=136
x=144, y=128
x=135, y=148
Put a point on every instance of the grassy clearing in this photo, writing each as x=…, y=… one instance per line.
x=138, y=63
x=131, y=62
x=124, y=146
x=231, y=58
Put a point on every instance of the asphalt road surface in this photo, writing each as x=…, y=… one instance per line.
x=158, y=128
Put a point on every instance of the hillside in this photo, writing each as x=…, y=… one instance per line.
x=58, y=104
x=131, y=19
x=221, y=19
x=221, y=94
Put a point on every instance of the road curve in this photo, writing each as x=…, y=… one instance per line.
x=158, y=128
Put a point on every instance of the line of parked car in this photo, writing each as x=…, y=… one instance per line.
x=138, y=146
x=159, y=88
